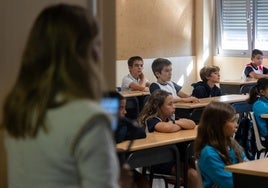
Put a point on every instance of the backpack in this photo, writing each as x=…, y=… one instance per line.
x=245, y=136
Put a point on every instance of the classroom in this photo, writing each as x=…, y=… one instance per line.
x=183, y=31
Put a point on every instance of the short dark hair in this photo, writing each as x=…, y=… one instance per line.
x=158, y=65
x=131, y=60
x=256, y=52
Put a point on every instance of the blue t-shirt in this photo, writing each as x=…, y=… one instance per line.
x=212, y=168
x=261, y=107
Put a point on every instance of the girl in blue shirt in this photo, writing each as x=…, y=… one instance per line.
x=258, y=96
x=215, y=146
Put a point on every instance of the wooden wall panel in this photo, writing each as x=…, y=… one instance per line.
x=155, y=28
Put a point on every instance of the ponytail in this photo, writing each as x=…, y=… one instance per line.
x=253, y=94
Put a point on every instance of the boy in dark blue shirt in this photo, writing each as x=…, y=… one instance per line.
x=210, y=75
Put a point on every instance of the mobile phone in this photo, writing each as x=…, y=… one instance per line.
x=110, y=104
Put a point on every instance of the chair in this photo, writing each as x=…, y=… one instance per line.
x=260, y=147
x=196, y=114
x=246, y=88
x=242, y=107
x=154, y=156
x=132, y=108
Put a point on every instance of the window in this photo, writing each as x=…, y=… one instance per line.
x=241, y=25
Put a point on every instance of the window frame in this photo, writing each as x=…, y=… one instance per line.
x=251, y=20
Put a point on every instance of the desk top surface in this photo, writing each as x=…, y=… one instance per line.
x=134, y=93
x=205, y=101
x=238, y=82
x=156, y=139
x=264, y=116
x=256, y=168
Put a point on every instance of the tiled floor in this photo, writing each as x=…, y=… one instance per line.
x=158, y=183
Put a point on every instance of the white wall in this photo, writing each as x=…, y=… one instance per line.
x=182, y=71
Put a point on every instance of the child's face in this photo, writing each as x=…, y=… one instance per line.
x=230, y=127
x=122, y=108
x=257, y=60
x=168, y=108
x=136, y=69
x=165, y=74
x=264, y=92
x=214, y=77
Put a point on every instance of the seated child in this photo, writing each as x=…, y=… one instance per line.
x=135, y=80
x=215, y=146
x=126, y=130
x=258, y=96
x=163, y=71
x=255, y=69
x=210, y=75
x=156, y=116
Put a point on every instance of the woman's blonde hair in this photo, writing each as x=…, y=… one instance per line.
x=58, y=65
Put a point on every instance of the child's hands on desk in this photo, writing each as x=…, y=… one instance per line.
x=191, y=99
x=185, y=123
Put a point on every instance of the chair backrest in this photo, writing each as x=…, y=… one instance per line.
x=256, y=133
x=242, y=107
x=246, y=88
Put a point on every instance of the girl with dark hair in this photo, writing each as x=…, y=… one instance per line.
x=215, y=146
x=258, y=96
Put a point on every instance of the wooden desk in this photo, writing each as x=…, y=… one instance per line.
x=157, y=139
x=250, y=174
x=235, y=86
x=205, y=101
x=156, y=148
x=194, y=110
x=134, y=93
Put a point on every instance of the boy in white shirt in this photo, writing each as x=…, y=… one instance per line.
x=255, y=69
x=135, y=80
x=162, y=69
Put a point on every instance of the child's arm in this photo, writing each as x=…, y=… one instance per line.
x=185, y=98
x=188, y=99
x=140, y=87
x=252, y=74
x=167, y=127
x=185, y=123
x=136, y=87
